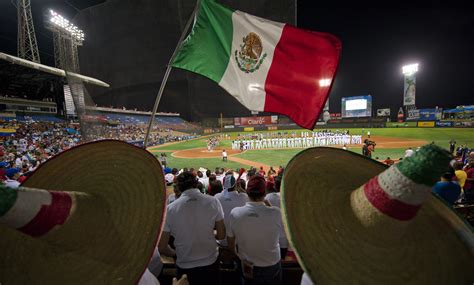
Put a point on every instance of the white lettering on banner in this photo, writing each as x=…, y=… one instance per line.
x=258, y=121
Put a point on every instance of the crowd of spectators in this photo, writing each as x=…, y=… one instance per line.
x=227, y=208
x=32, y=143
x=456, y=186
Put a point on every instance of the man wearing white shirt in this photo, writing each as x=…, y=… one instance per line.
x=203, y=180
x=255, y=230
x=230, y=199
x=191, y=220
x=409, y=152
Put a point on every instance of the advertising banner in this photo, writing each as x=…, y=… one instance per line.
x=444, y=124
x=400, y=115
x=409, y=90
x=426, y=124
x=413, y=114
x=237, y=121
x=383, y=112
x=255, y=121
x=464, y=124
x=225, y=121
x=430, y=114
x=400, y=125
x=249, y=129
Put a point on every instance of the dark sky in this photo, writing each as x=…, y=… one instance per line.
x=376, y=41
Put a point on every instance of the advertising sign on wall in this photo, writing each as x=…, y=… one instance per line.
x=255, y=121
x=409, y=90
x=426, y=124
x=424, y=114
x=444, y=124
x=400, y=125
x=383, y=112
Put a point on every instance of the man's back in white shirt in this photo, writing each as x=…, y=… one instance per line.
x=256, y=228
x=229, y=201
x=191, y=220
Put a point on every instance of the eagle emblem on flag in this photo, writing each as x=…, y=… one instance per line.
x=250, y=57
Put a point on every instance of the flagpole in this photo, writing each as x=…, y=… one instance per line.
x=167, y=72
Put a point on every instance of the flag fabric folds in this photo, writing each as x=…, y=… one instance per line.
x=267, y=66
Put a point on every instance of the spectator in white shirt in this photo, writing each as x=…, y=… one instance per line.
x=255, y=229
x=409, y=152
x=203, y=180
x=191, y=220
x=229, y=199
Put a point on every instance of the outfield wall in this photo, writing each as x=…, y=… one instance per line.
x=369, y=125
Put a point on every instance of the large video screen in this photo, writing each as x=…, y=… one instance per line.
x=357, y=106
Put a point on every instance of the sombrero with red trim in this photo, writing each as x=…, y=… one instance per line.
x=351, y=220
x=90, y=215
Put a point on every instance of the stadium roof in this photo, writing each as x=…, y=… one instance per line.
x=7, y=61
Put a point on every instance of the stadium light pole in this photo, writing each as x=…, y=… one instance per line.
x=167, y=72
x=67, y=37
x=409, y=71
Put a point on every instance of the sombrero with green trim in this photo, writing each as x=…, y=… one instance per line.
x=90, y=215
x=351, y=220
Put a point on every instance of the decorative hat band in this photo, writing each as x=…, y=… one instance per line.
x=400, y=190
x=34, y=212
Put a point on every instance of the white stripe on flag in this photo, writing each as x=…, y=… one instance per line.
x=249, y=88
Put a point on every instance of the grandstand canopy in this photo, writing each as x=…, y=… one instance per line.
x=23, y=78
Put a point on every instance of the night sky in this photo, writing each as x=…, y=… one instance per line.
x=376, y=42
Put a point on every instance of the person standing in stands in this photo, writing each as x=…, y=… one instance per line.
x=452, y=146
x=447, y=189
x=230, y=199
x=191, y=220
x=254, y=230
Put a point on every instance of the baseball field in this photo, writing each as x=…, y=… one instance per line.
x=391, y=142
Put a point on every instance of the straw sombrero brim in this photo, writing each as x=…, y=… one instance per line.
x=111, y=235
x=334, y=248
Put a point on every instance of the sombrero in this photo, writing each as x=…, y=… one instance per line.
x=390, y=230
x=96, y=221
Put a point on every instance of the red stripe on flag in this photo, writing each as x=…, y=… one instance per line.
x=49, y=215
x=391, y=207
x=300, y=60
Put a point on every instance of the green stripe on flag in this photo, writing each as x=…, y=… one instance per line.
x=207, y=48
x=7, y=199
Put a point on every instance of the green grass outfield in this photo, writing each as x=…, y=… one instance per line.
x=440, y=136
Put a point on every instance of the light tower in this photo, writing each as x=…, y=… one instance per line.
x=409, y=71
x=27, y=45
x=67, y=37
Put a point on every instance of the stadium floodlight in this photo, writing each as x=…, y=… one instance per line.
x=63, y=24
x=324, y=82
x=410, y=69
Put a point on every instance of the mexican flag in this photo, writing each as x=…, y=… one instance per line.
x=267, y=66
